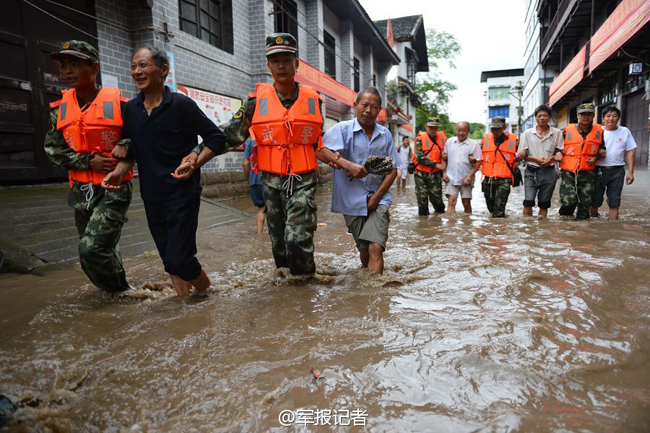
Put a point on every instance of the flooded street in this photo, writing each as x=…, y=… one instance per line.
x=477, y=325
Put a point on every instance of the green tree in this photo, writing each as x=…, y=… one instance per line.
x=477, y=130
x=434, y=91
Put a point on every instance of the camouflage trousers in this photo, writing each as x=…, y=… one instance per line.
x=99, y=222
x=576, y=190
x=496, y=191
x=291, y=219
x=428, y=188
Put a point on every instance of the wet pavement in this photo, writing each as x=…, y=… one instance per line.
x=477, y=325
x=38, y=221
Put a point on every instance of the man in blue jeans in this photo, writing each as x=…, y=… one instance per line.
x=255, y=185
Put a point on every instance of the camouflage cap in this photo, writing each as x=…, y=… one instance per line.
x=586, y=108
x=80, y=49
x=281, y=43
x=433, y=121
x=498, y=122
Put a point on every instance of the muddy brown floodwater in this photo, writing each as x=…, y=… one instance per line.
x=477, y=325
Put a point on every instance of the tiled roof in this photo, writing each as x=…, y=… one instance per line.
x=403, y=27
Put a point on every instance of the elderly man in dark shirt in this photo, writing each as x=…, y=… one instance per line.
x=163, y=128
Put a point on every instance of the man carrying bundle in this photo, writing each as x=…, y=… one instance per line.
x=365, y=202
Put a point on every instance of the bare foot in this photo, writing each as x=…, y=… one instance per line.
x=181, y=286
x=201, y=283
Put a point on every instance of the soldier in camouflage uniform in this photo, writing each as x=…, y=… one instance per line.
x=290, y=199
x=578, y=176
x=497, y=147
x=99, y=215
x=429, y=171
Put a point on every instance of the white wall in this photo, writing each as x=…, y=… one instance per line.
x=511, y=100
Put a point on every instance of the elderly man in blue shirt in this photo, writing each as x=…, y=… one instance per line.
x=364, y=202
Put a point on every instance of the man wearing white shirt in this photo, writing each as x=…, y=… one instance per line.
x=611, y=170
x=464, y=159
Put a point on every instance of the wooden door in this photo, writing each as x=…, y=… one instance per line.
x=635, y=118
x=30, y=80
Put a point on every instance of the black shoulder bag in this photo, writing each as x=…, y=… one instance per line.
x=412, y=165
x=517, y=178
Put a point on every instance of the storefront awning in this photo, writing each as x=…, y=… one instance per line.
x=568, y=78
x=626, y=20
x=307, y=74
x=408, y=127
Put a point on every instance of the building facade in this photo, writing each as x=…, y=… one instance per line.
x=536, y=79
x=503, y=97
x=407, y=36
x=217, y=49
x=599, y=52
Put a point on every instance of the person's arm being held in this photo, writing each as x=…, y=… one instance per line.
x=374, y=199
x=470, y=176
x=354, y=170
x=475, y=167
x=62, y=155
x=236, y=131
x=443, y=164
x=523, y=149
x=113, y=180
x=214, y=141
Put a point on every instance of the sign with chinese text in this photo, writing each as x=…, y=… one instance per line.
x=307, y=74
x=219, y=109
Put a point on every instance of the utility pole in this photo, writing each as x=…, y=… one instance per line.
x=519, y=92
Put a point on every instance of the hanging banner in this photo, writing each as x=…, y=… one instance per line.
x=568, y=78
x=627, y=19
x=307, y=74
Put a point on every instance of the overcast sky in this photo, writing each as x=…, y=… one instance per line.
x=491, y=35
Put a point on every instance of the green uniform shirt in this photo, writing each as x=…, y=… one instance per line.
x=237, y=131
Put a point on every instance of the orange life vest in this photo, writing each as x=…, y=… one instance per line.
x=494, y=163
x=95, y=130
x=285, y=138
x=434, y=154
x=577, y=150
